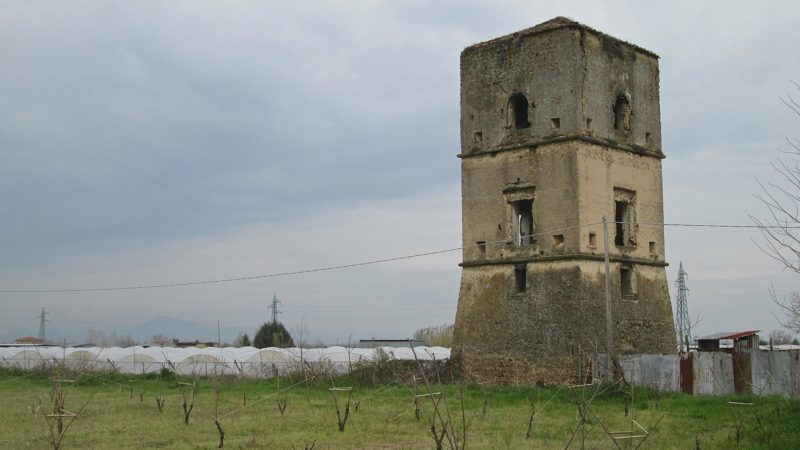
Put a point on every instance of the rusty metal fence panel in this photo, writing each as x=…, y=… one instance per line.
x=775, y=373
x=713, y=373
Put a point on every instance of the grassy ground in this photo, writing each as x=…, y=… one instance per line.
x=122, y=413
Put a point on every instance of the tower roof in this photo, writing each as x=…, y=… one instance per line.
x=555, y=24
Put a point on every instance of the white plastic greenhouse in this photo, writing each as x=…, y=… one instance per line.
x=247, y=362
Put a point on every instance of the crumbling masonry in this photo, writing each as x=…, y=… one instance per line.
x=560, y=126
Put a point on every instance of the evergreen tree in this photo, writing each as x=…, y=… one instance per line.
x=243, y=340
x=272, y=334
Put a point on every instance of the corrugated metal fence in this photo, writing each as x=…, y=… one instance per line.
x=756, y=372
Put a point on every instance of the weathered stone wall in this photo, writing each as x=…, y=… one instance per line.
x=562, y=313
x=601, y=169
x=590, y=139
x=574, y=184
x=487, y=214
x=571, y=73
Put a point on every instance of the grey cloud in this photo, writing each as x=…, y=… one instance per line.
x=133, y=125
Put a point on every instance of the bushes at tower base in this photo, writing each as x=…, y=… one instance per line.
x=272, y=334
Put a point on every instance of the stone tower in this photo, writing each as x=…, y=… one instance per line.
x=560, y=126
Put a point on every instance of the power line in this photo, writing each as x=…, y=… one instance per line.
x=708, y=225
x=345, y=266
x=224, y=280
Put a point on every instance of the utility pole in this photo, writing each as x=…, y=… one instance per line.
x=683, y=325
x=609, y=317
x=274, y=308
x=42, y=320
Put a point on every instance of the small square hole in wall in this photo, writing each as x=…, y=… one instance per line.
x=482, y=248
x=558, y=241
x=555, y=123
x=588, y=124
x=652, y=247
x=477, y=138
x=593, y=240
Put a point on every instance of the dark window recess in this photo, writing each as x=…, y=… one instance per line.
x=523, y=222
x=622, y=113
x=622, y=219
x=518, y=104
x=555, y=123
x=520, y=280
x=482, y=248
x=626, y=281
x=592, y=239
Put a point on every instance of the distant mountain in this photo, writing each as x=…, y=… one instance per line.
x=171, y=327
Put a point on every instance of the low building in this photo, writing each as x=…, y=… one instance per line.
x=373, y=343
x=737, y=341
x=29, y=340
x=196, y=344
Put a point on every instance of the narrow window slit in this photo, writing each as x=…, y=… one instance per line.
x=518, y=107
x=523, y=222
x=520, y=279
x=627, y=281
x=621, y=222
x=622, y=113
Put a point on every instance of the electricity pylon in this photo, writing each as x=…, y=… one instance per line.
x=682, y=324
x=274, y=308
x=42, y=320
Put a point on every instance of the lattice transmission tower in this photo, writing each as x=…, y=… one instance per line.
x=42, y=320
x=683, y=326
x=274, y=308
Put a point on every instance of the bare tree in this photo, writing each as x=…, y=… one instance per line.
x=780, y=228
x=103, y=339
x=779, y=337
x=439, y=336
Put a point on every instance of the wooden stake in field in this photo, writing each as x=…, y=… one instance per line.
x=221, y=434
x=341, y=419
x=160, y=402
x=57, y=426
x=188, y=401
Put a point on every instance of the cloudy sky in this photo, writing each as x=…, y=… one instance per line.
x=167, y=142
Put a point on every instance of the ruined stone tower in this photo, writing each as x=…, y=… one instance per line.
x=560, y=126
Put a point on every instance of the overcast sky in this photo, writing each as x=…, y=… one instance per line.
x=166, y=142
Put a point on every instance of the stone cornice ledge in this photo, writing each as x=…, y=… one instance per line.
x=572, y=137
x=565, y=257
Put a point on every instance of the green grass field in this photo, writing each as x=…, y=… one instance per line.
x=123, y=413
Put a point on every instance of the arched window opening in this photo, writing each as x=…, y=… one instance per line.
x=622, y=113
x=518, y=104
